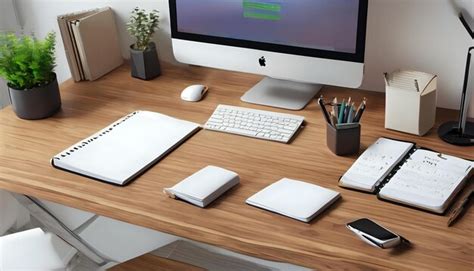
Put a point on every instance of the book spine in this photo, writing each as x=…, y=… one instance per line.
x=68, y=49
x=75, y=50
x=76, y=30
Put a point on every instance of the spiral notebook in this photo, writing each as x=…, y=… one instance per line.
x=401, y=172
x=123, y=150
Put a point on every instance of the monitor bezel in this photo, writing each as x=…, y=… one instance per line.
x=358, y=56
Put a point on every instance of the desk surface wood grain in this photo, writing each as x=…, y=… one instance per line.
x=26, y=148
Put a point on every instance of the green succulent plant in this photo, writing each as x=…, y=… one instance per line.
x=142, y=26
x=27, y=62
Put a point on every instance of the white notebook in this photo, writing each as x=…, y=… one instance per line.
x=126, y=148
x=204, y=186
x=296, y=199
x=375, y=164
x=401, y=172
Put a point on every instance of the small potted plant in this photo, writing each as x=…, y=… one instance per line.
x=27, y=64
x=144, y=58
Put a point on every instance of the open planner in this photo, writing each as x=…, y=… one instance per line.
x=126, y=148
x=401, y=172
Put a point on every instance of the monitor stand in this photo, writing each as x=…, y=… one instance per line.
x=281, y=93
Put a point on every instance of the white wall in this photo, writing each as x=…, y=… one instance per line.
x=8, y=19
x=423, y=35
x=417, y=34
x=8, y=22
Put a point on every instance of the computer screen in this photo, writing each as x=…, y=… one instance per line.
x=298, y=44
x=329, y=25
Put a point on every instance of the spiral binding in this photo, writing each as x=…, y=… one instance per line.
x=82, y=144
x=395, y=169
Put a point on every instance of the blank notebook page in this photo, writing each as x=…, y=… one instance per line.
x=121, y=150
x=375, y=163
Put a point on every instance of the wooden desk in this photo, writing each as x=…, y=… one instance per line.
x=27, y=146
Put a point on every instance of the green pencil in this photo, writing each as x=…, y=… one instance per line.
x=341, y=111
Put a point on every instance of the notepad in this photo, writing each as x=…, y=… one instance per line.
x=126, y=148
x=375, y=164
x=296, y=199
x=204, y=186
x=405, y=80
x=401, y=172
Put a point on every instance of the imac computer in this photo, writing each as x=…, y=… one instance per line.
x=297, y=44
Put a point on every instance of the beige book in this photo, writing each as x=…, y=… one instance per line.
x=75, y=51
x=80, y=64
x=97, y=43
x=72, y=55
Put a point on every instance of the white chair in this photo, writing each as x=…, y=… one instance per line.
x=115, y=240
x=31, y=249
x=102, y=240
x=35, y=250
x=44, y=213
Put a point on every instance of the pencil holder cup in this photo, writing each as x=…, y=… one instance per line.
x=343, y=141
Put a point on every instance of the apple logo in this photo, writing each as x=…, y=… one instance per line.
x=262, y=61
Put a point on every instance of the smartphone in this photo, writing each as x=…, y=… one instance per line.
x=374, y=234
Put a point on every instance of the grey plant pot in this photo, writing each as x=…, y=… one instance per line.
x=145, y=64
x=36, y=103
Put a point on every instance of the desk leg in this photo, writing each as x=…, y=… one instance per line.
x=55, y=226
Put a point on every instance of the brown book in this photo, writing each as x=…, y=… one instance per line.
x=97, y=42
x=72, y=55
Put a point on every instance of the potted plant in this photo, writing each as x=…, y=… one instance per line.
x=27, y=64
x=144, y=58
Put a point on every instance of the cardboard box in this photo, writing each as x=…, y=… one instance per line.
x=410, y=101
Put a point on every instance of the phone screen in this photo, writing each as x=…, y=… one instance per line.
x=371, y=228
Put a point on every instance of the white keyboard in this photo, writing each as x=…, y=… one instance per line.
x=254, y=123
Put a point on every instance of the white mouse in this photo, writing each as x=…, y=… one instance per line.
x=194, y=93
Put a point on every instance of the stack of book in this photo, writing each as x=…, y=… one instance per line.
x=91, y=43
